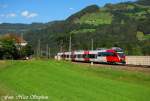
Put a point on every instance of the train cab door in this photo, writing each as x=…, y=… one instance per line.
x=101, y=57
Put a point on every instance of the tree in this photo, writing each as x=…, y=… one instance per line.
x=26, y=51
x=8, y=48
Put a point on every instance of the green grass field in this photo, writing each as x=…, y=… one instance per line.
x=64, y=81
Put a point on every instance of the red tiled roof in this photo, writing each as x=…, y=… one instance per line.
x=18, y=39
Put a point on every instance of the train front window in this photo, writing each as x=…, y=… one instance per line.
x=105, y=54
x=121, y=54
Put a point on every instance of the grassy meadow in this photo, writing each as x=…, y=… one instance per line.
x=65, y=81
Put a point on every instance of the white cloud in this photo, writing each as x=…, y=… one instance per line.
x=28, y=14
x=3, y=5
x=11, y=15
x=8, y=15
x=71, y=8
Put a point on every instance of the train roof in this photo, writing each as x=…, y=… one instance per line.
x=113, y=49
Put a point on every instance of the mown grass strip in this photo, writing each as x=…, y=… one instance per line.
x=64, y=81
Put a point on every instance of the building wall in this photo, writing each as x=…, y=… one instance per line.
x=138, y=60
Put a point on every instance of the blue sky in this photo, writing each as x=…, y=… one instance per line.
x=28, y=11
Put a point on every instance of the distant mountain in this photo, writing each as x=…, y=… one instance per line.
x=19, y=28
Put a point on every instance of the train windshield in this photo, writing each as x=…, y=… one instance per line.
x=105, y=54
x=121, y=54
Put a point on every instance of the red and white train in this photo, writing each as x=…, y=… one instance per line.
x=111, y=56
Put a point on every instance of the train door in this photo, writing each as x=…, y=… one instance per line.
x=93, y=56
x=86, y=56
x=101, y=57
x=73, y=56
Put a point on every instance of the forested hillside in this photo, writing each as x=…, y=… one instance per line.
x=19, y=28
x=125, y=25
x=144, y=2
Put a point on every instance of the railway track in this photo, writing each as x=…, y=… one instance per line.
x=136, y=68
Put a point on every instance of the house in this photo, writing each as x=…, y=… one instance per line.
x=19, y=41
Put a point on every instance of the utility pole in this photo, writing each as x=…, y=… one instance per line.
x=61, y=46
x=19, y=42
x=92, y=46
x=70, y=43
x=39, y=48
x=22, y=35
x=47, y=51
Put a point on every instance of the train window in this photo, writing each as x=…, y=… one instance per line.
x=79, y=55
x=72, y=56
x=110, y=54
x=67, y=56
x=92, y=55
x=85, y=56
x=105, y=54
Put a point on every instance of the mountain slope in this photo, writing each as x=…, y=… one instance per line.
x=125, y=25
x=144, y=2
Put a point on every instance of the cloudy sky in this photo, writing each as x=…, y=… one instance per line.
x=28, y=11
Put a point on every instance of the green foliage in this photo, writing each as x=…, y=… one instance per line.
x=144, y=2
x=26, y=51
x=95, y=18
x=140, y=36
x=83, y=31
x=63, y=81
x=89, y=9
x=8, y=49
x=146, y=47
x=147, y=37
